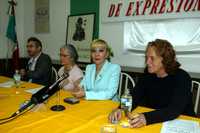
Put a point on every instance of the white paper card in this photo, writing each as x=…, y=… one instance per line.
x=34, y=90
x=7, y=84
x=180, y=126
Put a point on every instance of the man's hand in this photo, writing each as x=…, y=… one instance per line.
x=137, y=121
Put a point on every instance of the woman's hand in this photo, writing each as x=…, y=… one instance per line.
x=137, y=121
x=115, y=115
x=79, y=93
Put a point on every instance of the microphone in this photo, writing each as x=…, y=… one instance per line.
x=64, y=76
x=42, y=95
x=25, y=106
x=46, y=92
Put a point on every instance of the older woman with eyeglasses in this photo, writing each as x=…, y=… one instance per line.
x=68, y=58
x=102, y=77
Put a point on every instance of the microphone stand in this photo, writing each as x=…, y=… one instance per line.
x=58, y=106
x=39, y=97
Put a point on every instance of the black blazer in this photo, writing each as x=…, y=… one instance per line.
x=43, y=71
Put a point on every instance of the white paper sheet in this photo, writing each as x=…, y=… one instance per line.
x=34, y=90
x=7, y=84
x=180, y=126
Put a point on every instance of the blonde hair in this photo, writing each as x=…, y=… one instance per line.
x=103, y=42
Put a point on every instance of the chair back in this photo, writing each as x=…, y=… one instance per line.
x=196, y=88
x=125, y=80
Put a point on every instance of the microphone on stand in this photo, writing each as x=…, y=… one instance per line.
x=64, y=76
x=46, y=92
x=58, y=106
x=42, y=95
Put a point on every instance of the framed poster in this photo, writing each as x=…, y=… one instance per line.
x=80, y=33
x=41, y=16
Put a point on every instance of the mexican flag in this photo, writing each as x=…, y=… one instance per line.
x=12, y=35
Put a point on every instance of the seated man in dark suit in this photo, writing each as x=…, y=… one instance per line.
x=39, y=66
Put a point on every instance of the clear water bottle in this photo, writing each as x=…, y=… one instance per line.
x=17, y=78
x=126, y=101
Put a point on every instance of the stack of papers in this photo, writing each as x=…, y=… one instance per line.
x=7, y=84
x=34, y=90
x=180, y=126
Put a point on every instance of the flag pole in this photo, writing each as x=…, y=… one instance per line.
x=7, y=58
x=12, y=37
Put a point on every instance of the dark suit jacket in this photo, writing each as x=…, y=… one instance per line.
x=43, y=71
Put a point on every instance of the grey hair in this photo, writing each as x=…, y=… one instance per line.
x=72, y=51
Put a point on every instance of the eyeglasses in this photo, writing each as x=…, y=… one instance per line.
x=63, y=55
x=30, y=46
x=97, y=50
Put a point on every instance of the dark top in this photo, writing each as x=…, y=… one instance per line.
x=169, y=96
x=42, y=72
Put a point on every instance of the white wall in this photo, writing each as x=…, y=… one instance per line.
x=2, y=29
x=3, y=26
x=113, y=33
x=59, y=10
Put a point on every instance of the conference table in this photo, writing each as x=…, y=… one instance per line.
x=84, y=117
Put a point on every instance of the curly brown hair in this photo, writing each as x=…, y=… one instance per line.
x=165, y=49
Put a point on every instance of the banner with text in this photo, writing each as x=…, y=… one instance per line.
x=125, y=10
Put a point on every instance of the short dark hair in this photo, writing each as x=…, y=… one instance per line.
x=37, y=42
x=165, y=49
x=72, y=51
